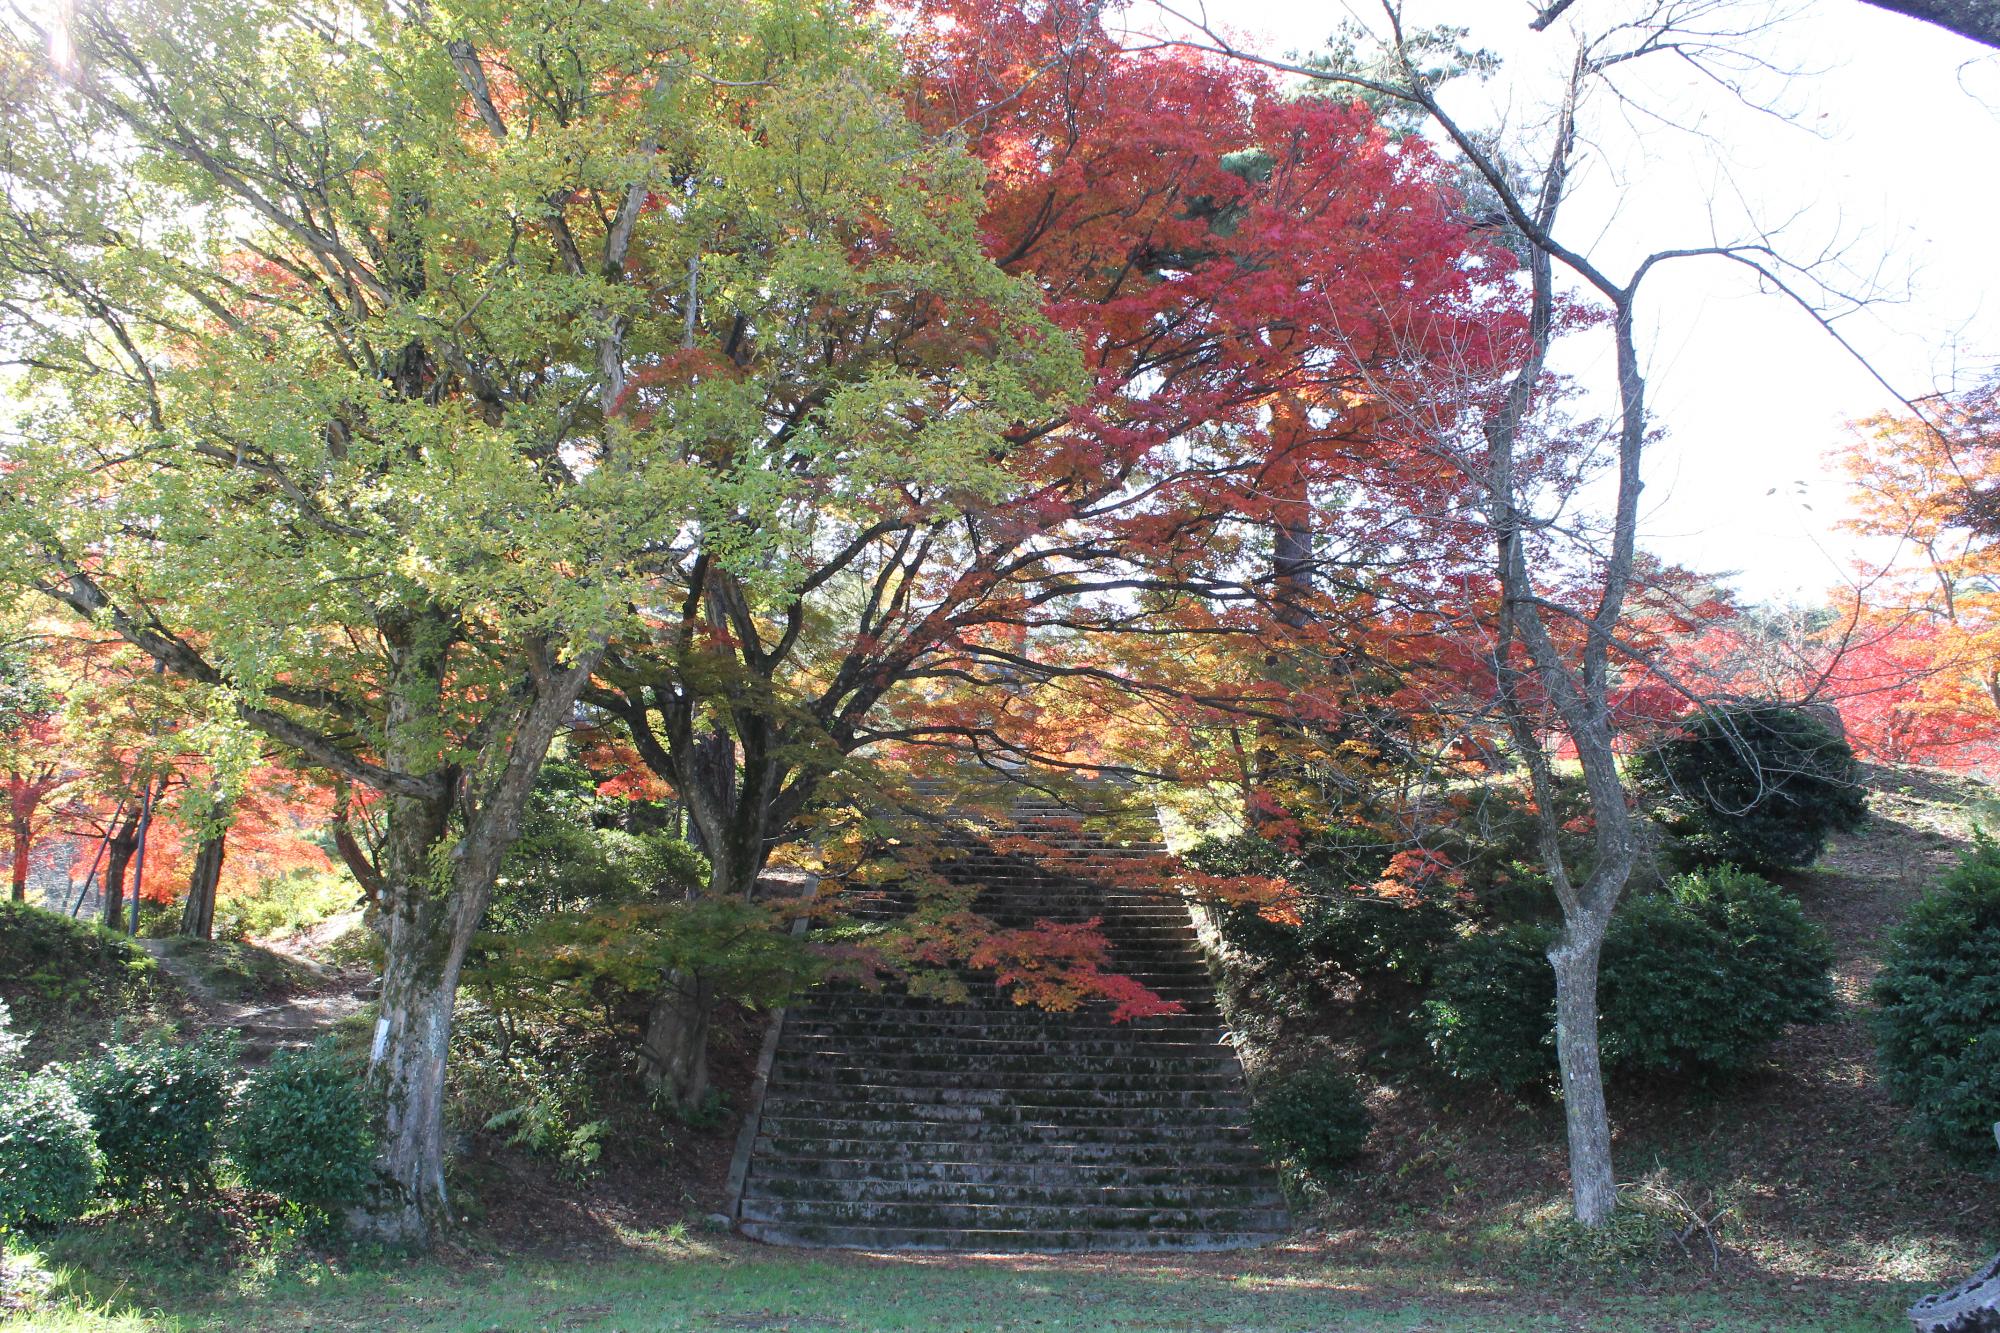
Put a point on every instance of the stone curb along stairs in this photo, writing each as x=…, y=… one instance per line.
x=889, y=1121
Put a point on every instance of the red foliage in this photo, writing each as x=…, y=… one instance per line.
x=1060, y=966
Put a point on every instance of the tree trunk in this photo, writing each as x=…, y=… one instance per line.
x=430, y=909
x=124, y=841
x=198, y=916
x=407, y=1060
x=1285, y=490
x=1592, y=1186
x=1973, y=1306
x=673, y=1059
x=24, y=837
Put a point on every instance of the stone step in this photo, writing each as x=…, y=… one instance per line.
x=1016, y=1019
x=956, y=1059
x=1048, y=1193
x=925, y=1044
x=1003, y=1009
x=1250, y=1172
x=1224, y=1154
x=1126, y=1132
x=897, y=1032
x=937, y=1099
x=834, y=1119
x=1013, y=1217
x=977, y=1107
x=896, y=1121
x=861, y=1051
x=1096, y=1019
x=981, y=999
x=899, y=1065
x=833, y=1236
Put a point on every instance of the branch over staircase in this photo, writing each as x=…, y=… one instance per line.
x=894, y=1121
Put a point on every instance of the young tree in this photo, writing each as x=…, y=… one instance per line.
x=381, y=357
x=1551, y=632
x=1976, y=19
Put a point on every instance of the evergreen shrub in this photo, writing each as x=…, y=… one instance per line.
x=301, y=1130
x=157, y=1108
x=49, y=1164
x=1759, y=785
x=1312, y=1117
x=1939, y=1018
x=1694, y=983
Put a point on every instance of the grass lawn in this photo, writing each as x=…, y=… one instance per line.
x=671, y=1283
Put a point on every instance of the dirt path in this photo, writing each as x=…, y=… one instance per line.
x=269, y=1025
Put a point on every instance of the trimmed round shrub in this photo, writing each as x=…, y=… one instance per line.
x=1784, y=961
x=1696, y=982
x=1312, y=1117
x=1939, y=1022
x=301, y=1130
x=1491, y=1013
x=156, y=1109
x=1693, y=984
x=1759, y=785
x=49, y=1164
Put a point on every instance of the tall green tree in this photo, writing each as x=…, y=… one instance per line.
x=379, y=357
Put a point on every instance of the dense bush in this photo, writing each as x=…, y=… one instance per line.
x=301, y=1130
x=1694, y=982
x=49, y=1164
x=1490, y=1017
x=157, y=1108
x=1760, y=785
x=1783, y=960
x=1313, y=1118
x=1939, y=992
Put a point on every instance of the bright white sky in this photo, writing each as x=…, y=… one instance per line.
x=1891, y=153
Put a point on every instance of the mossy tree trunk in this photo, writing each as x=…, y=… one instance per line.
x=674, y=1056
x=441, y=859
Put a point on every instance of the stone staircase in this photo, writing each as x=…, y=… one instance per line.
x=896, y=1122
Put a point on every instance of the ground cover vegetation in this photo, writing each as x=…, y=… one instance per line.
x=513, y=508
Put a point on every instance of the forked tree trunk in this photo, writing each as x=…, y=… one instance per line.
x=430, y=908
x=198, y=916
x=1593, y=1188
